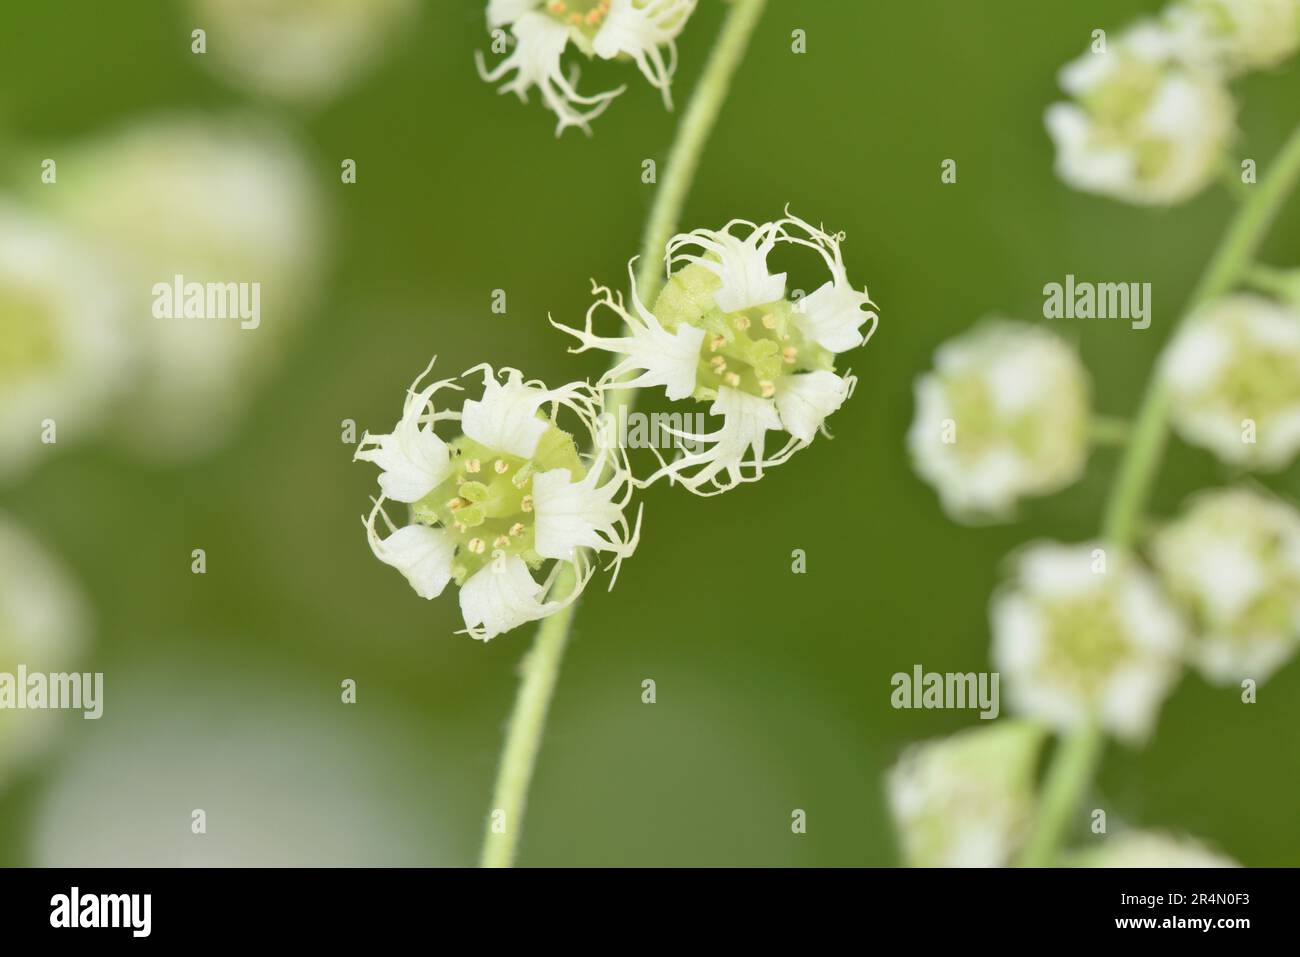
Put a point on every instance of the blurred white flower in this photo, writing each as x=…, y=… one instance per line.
x=1003, y=415
x=495, y=503
x=1081, y=635
x=967, y=800
x=1149, y=849
x=297, y=50
x=723, y=331
x=44, y=625
x=1235, y=36
x=1233, y=373
x=1144, y=126
x=1233, y=559
x=639, y=30
x=213, y=201
x=63, y=352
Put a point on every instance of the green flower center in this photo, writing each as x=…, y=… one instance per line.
x=486, y=504
x=27, y=341
x=586, y=16
x=1260, y=381
x=750, y=350
x=1086, y=644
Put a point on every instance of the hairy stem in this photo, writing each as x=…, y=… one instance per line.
x=541, y=666
x=1077, y=757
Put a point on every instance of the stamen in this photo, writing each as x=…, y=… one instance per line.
x=718, y=364
x=789, y=354
x=473, y=466
x=733, y=380
x=769, y=321
x=517, y=529
x=501, y=466
x=768, y=389
x=527, y=504
x=477, y=546
x=741, y=323
x=456, y=504
x=716, y=343
x=500, y=542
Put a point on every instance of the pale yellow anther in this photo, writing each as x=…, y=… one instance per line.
x=501, y=466
x=456, y=503
x=575, y=19
x=789, y=354
x=557, y=7
x=768, y=389
x=733, y=380
x=718, y=364
x=477, y=546
x=517, y=529
x=595, y=16
x=716, y=343
x=500, y=542
x=741, y=323
x=473, y=466
x=527, y=504
x=769, y=321
x=458, y=527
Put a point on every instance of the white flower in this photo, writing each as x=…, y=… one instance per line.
x=1144, y=126
x=1233, y=373
x=214, y=201
x=1233, y=559
x=297, y=50
x=1003, y=415
x=607, y=29
x=494, y=504
x=1151, y=849
x=63, y=350
x=723, y=331
x=967, y=800
x=1082, y=634
x=1235, y=36
x=44, y=625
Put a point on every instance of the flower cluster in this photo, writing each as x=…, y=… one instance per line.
x=639, y=30
x=512, y=496
x=1150, y=114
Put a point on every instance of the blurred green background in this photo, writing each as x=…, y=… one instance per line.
x=222, y=690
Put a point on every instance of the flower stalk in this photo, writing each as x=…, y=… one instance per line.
x=1078, y=755
x=541, y=666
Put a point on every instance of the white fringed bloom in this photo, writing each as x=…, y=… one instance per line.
x=302, y=51
x=1082, y=635
x=1233, y=559
x=1233, y=374
x=1003, y=415
x=63, y=351
x=639, y=30
x=1144, y=126
x=223, y=201
x=493, y=504
x=1235, y=36
x=723, y=331
x=44, y=625
x=1149, y=849
x=967, y=800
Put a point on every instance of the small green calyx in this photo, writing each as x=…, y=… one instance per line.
x=750, y=350
x=486, y=504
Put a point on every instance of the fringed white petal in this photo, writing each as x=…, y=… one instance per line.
x=536, y=62
x=639, y=29
x=741, y=264
x=733, y=454
x=586, y=514
x=833, y=314
x=422, y=554
x=412, y=459
x=500, y=596
x=668, y=359
x=805, y=400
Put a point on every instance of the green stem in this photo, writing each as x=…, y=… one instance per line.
x=541, y=667
x=1078, y=755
